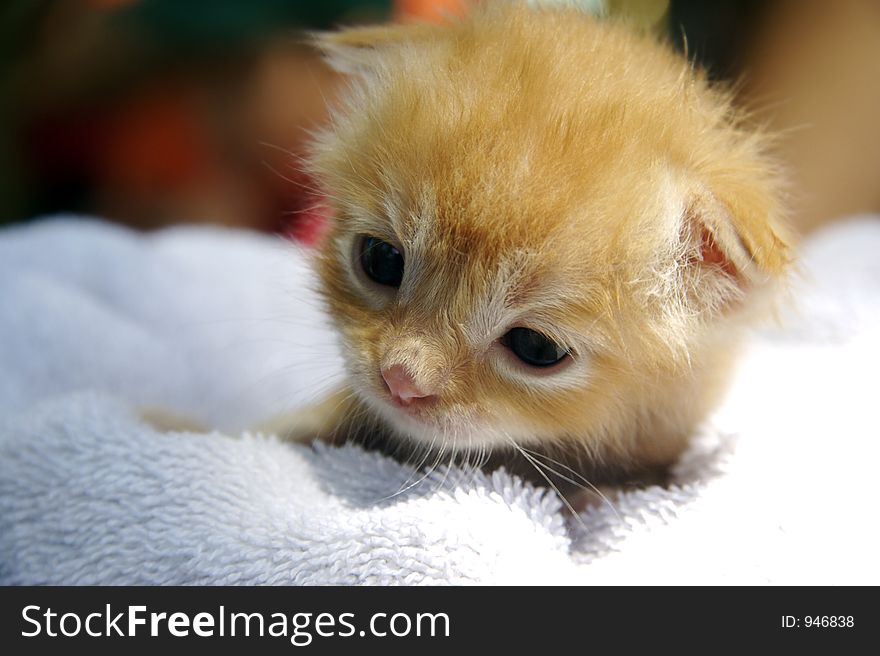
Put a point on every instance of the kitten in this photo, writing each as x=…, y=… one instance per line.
x=548, y=232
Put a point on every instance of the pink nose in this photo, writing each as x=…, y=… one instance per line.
x=402, y=386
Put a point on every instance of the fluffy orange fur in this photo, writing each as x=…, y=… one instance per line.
x=541, y=168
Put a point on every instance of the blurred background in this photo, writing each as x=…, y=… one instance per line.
x=156, y=112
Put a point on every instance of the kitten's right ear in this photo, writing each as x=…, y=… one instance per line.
x=357, y=50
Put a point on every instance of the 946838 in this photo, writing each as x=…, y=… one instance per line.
x=817, y=621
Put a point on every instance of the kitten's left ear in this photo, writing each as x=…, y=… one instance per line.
x=731, y=245
x=357, y=50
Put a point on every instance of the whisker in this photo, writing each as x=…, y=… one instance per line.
x=537, y=465
x=417, y=469
x=592, y=488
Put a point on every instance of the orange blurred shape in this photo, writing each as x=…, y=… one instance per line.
x=432, y=10
x=155, y=141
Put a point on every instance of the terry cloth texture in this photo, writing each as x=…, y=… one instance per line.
x=97, y=322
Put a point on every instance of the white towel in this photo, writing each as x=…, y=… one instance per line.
x=96, y=321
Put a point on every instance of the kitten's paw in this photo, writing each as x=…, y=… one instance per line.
x=169, y=421
x=301, y=426
x=327, y=420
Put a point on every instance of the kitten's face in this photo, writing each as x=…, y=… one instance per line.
x=501, y=307
x=528, y=241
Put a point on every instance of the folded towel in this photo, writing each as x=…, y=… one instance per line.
x=97, y=321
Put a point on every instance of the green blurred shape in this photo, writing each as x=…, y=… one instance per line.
x=196, y=24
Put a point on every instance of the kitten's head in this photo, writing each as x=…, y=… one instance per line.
x=541, y=222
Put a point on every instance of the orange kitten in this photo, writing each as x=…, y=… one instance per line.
x=548, y=231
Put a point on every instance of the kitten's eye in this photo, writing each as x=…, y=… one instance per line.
x=381, y=261
x=533, y=348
